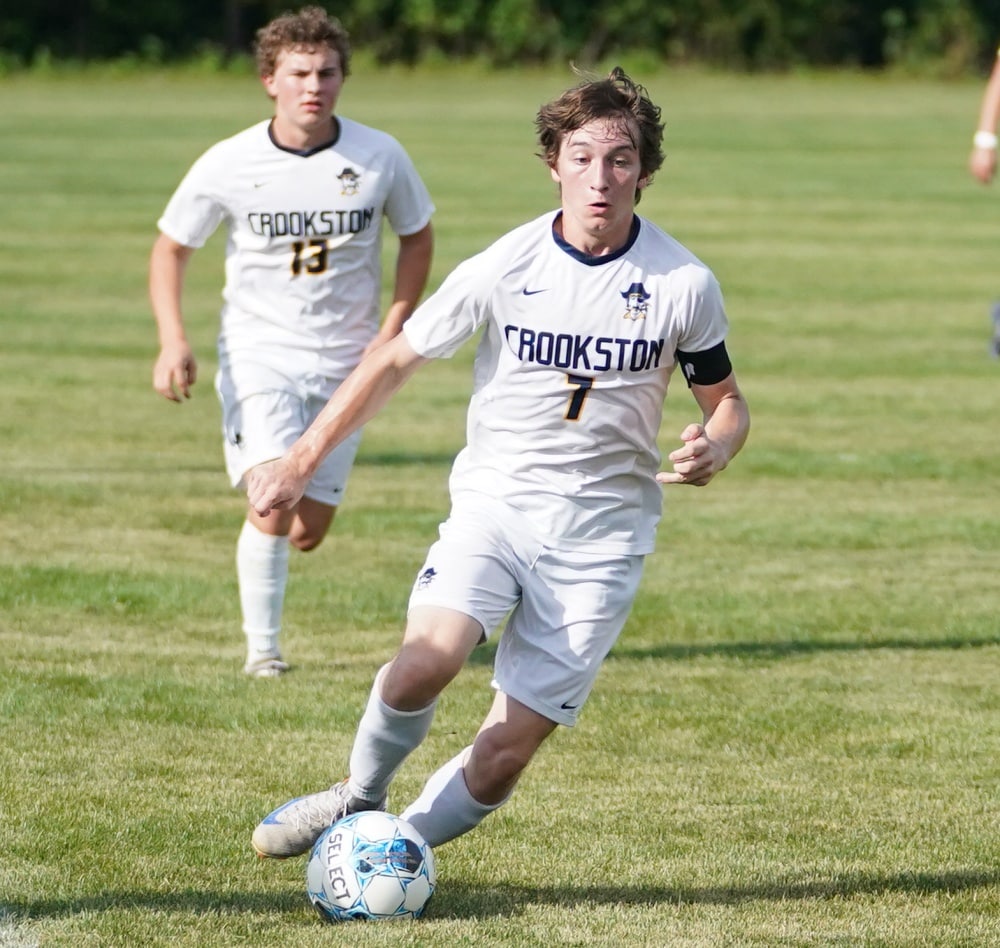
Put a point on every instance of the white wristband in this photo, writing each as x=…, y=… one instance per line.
x=984, y=139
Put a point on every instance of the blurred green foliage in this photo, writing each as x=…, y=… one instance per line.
x=948, y=37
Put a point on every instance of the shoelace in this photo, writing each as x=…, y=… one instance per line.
x=317, y=810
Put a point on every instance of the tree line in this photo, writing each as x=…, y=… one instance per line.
x=946, y=35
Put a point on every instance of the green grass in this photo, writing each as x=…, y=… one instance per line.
x=797, y=739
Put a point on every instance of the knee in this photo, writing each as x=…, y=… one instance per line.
x=306, y=535
x=305, y=541
x=494, y=767
x=504, y=758
x=415, y=678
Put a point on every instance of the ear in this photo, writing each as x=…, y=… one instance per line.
x=269, y=85
x=641, y=183
x=555, y=174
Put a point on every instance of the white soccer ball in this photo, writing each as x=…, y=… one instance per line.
x=370, y=865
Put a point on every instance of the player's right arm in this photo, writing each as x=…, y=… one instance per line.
x=278, y=485
x=175, y=370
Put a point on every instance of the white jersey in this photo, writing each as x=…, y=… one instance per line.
x=303, y=256
x=571, y=374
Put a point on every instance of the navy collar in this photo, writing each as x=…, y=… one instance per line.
x=588, y=259
x=306, y=152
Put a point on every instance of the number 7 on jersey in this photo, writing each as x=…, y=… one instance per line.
x=583, y=385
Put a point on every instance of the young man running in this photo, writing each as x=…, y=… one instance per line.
x=303, y=196
x=586, y=311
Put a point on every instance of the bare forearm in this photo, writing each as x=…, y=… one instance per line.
x=359, y=399
x=413, y=265
x=279, y=485
x=729, y=424
x=176, y=369
x=708, y=447
x=983, y=157
x=989, y=111
x=167, y=265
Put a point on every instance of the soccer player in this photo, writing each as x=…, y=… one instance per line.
x=303, y=196
x=585, y=311
x=983, y=162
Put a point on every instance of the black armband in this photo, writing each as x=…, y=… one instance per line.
x=706, y=367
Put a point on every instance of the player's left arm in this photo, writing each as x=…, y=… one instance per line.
x=983, y=158
x=708, y=447
x=413, y=265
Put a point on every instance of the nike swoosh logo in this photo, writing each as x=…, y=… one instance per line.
x=259, y=184
x=528, y=292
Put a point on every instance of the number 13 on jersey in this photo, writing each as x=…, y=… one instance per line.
x=309, y=258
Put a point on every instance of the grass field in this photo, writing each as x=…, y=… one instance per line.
x=797, y=739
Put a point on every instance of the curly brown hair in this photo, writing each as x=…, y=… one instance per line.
x=310, y=28
x=615, y=97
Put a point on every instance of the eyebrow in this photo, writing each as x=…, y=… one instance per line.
x=587, y=142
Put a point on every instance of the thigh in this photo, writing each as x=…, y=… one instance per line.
x=573, y=608
x=258, y=428
x=260, y=425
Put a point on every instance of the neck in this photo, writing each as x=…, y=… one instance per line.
x=592, y=243
x=293, y=136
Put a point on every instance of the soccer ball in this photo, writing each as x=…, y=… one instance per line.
x=370, y=865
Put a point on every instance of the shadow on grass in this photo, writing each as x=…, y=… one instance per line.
x=772, y=650
x=508, y=901
x=190, y=901
x=466, y=901
x=679, y=651
x=457, y=900
x=442, y=459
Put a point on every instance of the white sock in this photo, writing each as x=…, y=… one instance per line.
x=262, y=572
x=445, y=808
x=385, y=738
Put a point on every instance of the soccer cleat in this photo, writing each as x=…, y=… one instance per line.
x=293, y=828
x=268, y=666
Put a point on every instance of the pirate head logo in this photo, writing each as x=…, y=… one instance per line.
x=636, y=302
x=349, y=180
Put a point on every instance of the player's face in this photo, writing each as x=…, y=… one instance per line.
x=598, y=172
x=305, y=86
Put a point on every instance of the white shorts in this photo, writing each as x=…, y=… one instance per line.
x=564, y=609
x=261, y=426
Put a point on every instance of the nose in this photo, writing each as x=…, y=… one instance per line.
x=599, y=176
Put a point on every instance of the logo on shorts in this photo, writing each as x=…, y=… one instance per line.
x=426, y=577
